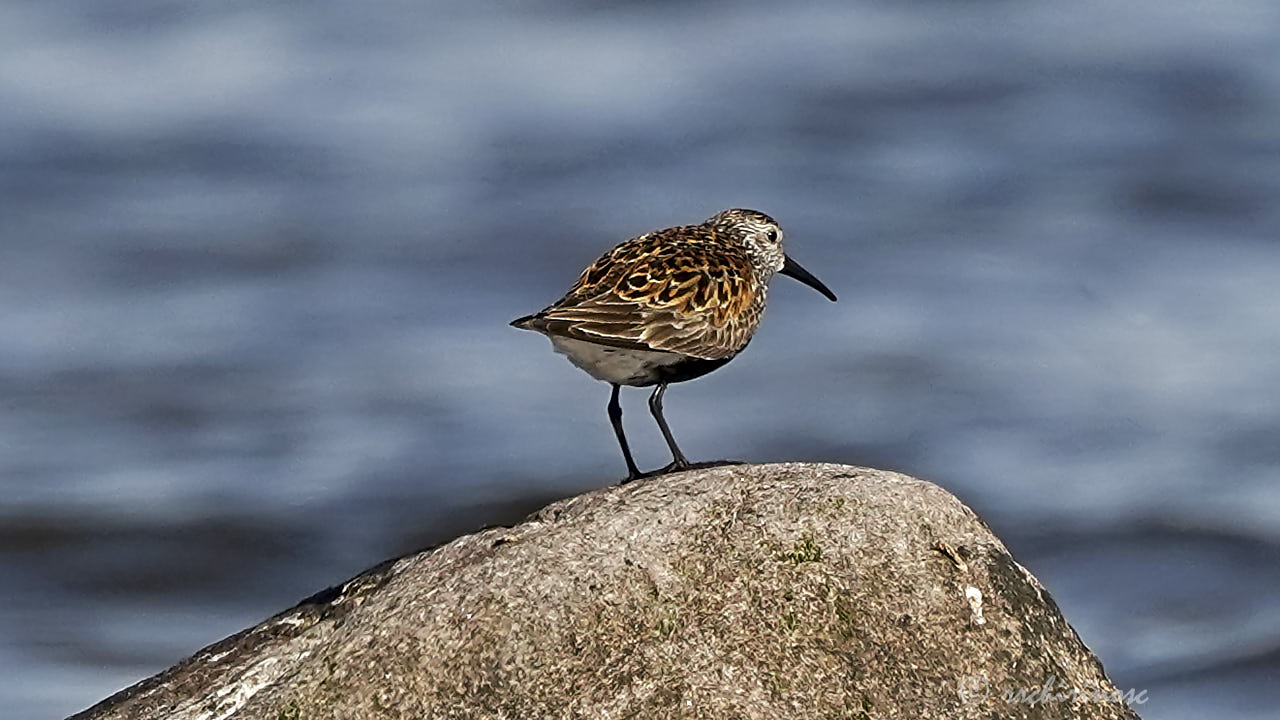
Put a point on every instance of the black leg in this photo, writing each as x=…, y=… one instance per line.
x=679, y=462
x=615, y=417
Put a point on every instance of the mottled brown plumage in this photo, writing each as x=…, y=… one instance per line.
x=669, y=306
x=690, y=290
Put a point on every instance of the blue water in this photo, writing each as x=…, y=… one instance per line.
x=257, y=261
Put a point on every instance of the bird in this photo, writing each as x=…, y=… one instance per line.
x=669, y=306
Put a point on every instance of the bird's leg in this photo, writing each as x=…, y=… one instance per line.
x=679, y=461
x=615, y=417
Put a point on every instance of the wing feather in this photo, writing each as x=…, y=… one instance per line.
x=700, y=299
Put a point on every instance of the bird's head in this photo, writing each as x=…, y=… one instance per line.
x=762, y=237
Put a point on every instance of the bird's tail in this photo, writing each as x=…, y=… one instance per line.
x=524, y=323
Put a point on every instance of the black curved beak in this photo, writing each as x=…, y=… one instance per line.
x=791, y=268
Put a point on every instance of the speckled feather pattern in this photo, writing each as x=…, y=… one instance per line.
x=695, y=290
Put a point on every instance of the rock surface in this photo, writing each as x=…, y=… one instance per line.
x=771, y=591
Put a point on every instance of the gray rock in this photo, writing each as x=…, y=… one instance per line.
x=772, y=591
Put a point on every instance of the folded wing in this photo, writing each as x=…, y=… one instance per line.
x=697, y=299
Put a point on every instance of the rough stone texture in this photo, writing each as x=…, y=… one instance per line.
x=774, y=591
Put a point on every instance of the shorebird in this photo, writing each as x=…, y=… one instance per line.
x=668, y=306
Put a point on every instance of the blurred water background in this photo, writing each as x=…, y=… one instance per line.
x=257, y=261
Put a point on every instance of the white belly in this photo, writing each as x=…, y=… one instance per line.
x=612, y=364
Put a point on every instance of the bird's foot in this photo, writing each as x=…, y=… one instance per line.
x=637, y=475
x=677, y=466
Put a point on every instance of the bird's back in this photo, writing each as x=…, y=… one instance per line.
x=689, y=290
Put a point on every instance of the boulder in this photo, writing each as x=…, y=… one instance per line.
x=750, y=591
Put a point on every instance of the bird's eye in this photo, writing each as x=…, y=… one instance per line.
x=773, y=236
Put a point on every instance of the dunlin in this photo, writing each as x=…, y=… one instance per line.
x=669, y=306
